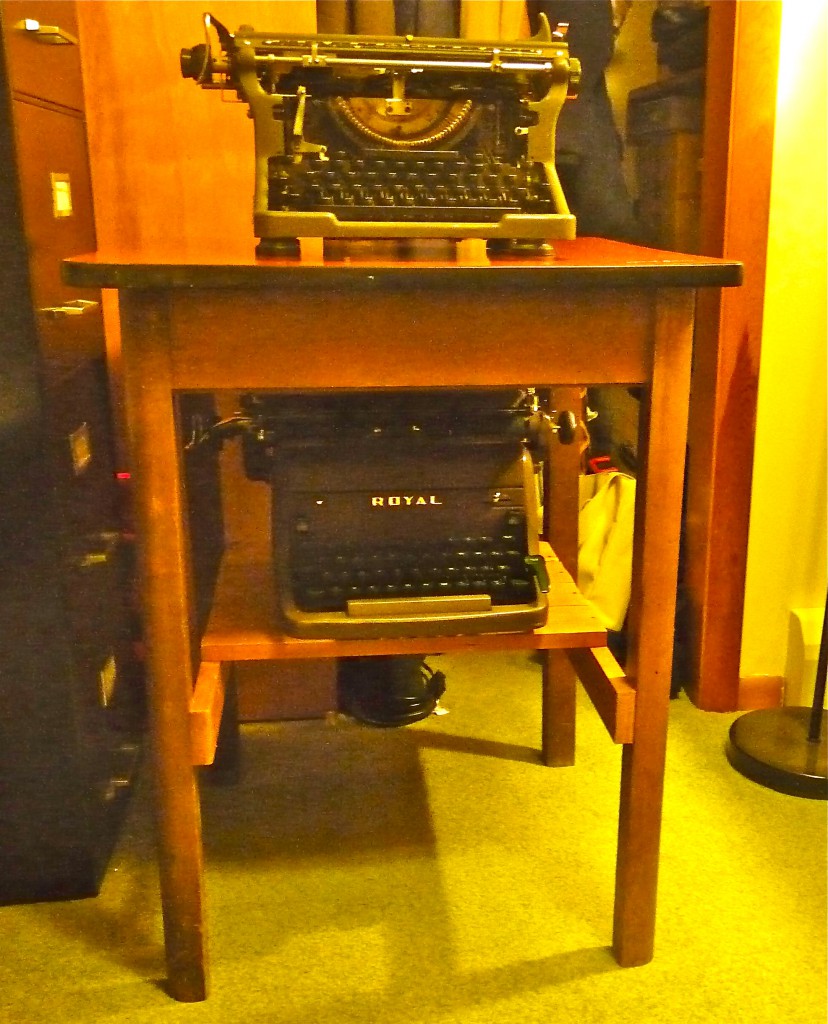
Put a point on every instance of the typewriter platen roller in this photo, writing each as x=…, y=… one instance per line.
x=378, y=137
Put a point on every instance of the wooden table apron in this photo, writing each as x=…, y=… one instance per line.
x=380, y=337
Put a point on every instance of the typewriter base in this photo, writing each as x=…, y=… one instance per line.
x=341, y=626
x=278, y=248
x=530, y=248
x=517, y=247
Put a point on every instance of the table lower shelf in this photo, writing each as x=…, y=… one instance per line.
x=242, y=628
x=243, y=624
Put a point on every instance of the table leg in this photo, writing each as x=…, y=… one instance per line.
x=562, y=466
x=651, y=625
x=558, y=727
x=167, y=606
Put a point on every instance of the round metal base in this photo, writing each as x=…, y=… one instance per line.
x=388, y=691
x=771, y=747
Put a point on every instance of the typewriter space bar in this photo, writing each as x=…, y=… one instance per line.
x=413, y=607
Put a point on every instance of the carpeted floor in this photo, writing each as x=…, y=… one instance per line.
x=440, y=874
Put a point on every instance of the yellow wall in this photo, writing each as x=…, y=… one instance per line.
x=787, y=546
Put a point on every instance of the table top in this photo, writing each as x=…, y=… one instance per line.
x=418, y=264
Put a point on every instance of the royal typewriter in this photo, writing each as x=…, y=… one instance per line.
x=412, y=514
x=398, y=137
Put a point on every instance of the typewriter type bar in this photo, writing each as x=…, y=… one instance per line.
x=398, y=137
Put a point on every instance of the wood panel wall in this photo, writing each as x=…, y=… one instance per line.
x=172, y=163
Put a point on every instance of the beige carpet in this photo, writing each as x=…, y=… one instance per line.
x=440, y=874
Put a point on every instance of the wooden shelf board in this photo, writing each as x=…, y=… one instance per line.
x=206, y=707
x=243, y=625
x=612, y=696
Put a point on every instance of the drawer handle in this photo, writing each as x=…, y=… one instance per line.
x=52, y=35
x=77, y=307
x=112, y=787
x=93, y=558
x=102, y=546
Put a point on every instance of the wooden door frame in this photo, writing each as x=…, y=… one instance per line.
x=740, y=107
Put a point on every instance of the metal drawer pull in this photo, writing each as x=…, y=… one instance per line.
x=102, y=546
x=93, y=558
x=112, y=787
x=52, y=35
x=76, y=307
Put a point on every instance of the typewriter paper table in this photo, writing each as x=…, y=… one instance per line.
x=599, y=313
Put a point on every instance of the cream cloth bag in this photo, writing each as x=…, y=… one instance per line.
x=605, y=535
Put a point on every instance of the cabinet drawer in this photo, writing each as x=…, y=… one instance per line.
x=56, y=199
x=56, y=191
x=46, y=66
x=99, y=627
x=81, y=452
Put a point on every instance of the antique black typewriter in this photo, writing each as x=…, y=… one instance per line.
x=402, y=137
x=405, y=514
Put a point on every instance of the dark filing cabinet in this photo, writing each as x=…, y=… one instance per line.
x=70, y=694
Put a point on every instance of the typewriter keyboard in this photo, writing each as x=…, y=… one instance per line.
x=495, y=566
x=433, y=185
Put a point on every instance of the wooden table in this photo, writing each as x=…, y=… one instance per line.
x=366, y=317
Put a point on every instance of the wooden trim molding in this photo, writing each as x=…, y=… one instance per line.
x=612, y=696
x=738, y=151
x=206, y=707
x=761, y=692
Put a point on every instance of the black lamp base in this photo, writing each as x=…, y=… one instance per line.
x=391, y=690
x=771, y=747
